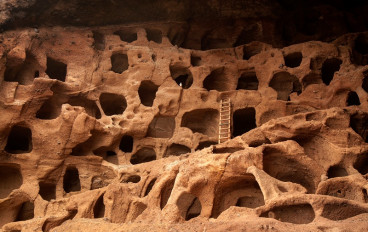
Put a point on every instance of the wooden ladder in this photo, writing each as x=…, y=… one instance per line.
x=225, y=121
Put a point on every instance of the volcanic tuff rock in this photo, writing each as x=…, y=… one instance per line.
x=115, y=129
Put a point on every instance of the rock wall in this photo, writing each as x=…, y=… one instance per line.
x=116, y=127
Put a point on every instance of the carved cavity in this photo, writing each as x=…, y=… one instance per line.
x=112, y=104
x=176, y=150
x=56, y=69
x=166, y=192
x=98, y=40
x=126, y=143
x=26, y=211
x=204, y=121
x=150, y=186
x=336, y=171
x=217, y=81
x=287, y=168
x=195, y=60
x=161, y=127
x=250, y=51
x=189, y=206
x=71, y=182
x=293, y=60
x=329, y=67
x=352, y=99
x=19, y=140
x=119, y=63
x=147, y=92
x=23, y=73
x=182, y=76
x=341, y=211
x=310, y=79
x=358, y=122
x=10, y=179
x=126, y=36
x=99, y=208
x=244, y=120
x=47, y=191
x=205, y=144
x=132, y=179
x=248, y=81
x=240, y=191
x=89, y=106
x=296, y=214
x=143, y=155
x=361, y=164
x=154, y=35
x=360, y=50
x=285, y=84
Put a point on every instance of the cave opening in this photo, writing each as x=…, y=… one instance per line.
x=112, y=104
x=358, y=122
x=189, y=206
x=71, y=182
x=147, y=92
x=23, y=73
x=329, y=67
x=126, y=143
x=365, y=81
x=119, y=63
x=248, y=81
x=361, y=164
x=293, y=60
x=166, y=193
x=205, y=144
x=56, y=69
x=182, y=76
x=250, y=51
x=284, y=83
x=296, y=214
x=19, y=140
x=244, y=120
x=99, y=208
x=98, y=40
x=10, y=178
x=195, y=60
x=89, y=106
x=217, y=80
x=204, y=121
x=161, y=127
x=360, y=50
x=336, y=171
x=154, y=35
x=176, y=150
x=126, y=36
x=26, y=211
x=47, y=191
x=150, y=186
x=352, y=99
x=143, y=155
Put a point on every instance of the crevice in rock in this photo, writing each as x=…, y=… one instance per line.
x=189, y=206
x=26, y=212
x=166, y=192
x=150, y=186
x=98, y=40
x=99, y=208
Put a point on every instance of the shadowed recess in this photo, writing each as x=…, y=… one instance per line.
x=176, y=150
x=248, y=81
x=358, y=122
x=99, y=208
x=204, y=121
x=71, y=182
x=98, y=40
x=126, y=35
x=143, y=155
x=10, y=179
x=336, y=171
x=329, y=67
x=341, y=211
x=47, y=191
x=182, y=76
x=112, y=104
x=217, y=80
x=166, y=192
x=352, y=99
x=126, y=143
x=296, y=214
x=56, y=69
x=189, y=206
x=293, y=60
x=26, y=211
x=284, y=83
x=161, y=127
x=119, y=63
x=150, y=186
x=19, y=140
x=23, y=73
x=244, y=120
x=154, y=35
x=147, y=92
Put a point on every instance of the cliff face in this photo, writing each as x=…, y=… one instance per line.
x=115, y=127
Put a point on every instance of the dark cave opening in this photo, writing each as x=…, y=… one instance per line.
x=98, y=40
x=203, y=121
x=244, y=120
x=352, y=99
x=329, y=67
x=71, y=182
x=176, y=150
x=99, y=208
x=47, y=191
x=336, y=171
x=284, y=83
x=119, y=63
x=143, y=155
x=126, y=143
x=293, y=60
x=147, y=92
x=126, y=36
x=248, y=81
x=56, y=69
x=19, y=140
x=112, y=104
x=154, y=35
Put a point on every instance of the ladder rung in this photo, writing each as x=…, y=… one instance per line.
x=223, y=124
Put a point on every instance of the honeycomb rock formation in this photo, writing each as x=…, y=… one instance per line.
x=115, y=128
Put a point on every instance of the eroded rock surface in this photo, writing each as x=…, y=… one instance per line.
x=115, y=129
